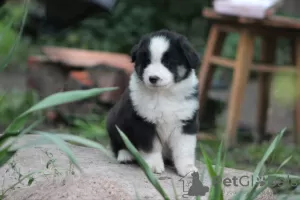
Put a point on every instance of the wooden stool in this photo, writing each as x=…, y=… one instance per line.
x=269, y=29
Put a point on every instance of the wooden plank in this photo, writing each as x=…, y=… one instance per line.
x=240, y=79
x=264, y=67
x=236, y=27
x=264, y=86
x=217, y=60
x=296, y=60
x=247, y=8
x=273, y=21
x=214, y=47
x=87, y=58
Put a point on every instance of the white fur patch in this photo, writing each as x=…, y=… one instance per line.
x=181, y=70
x=158, y=46
x=155, y=158
x=124, y=156
x=167, y=107
x=183, y=153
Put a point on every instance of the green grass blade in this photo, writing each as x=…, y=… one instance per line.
x=31, y=127
x=174, y=189
x=257, y=192
x=4, y=64
x=85, y=142
x=220, y=167
x=251, y=192
x=284, y=176
x=240, y=195
x=55, y=100
x=143, y=165
x=6, y=155
x=219, y=157
x=62, y=145
x=19, y=134
x=261, y=165
x=283, y=163
x=39, y=141
x=66, y=97
x=208, y=163
x=216, y=189
x=269, y=151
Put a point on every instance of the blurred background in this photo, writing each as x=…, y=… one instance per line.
x=111, y=28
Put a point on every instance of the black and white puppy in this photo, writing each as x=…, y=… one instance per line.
x=159, y=110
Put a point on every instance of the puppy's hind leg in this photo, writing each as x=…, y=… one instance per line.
x=154, y=158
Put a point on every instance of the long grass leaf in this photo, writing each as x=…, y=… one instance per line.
x=85, y=142
x=240, y=195
x=63, y=146
x=267, y=154
x=66, y=97
x=283, y=176
x=216, y=189
x=143, y=165
x=174, y=189
x=55, y=100
x=17, y=41
x=283, y=163
x=6, y=155
x=208, y=163
x=257, y=192
x=251, y=191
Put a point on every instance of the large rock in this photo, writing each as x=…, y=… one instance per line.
x=103, y=178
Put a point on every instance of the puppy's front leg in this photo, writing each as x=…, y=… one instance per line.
x=183, y=148
x=154, y=158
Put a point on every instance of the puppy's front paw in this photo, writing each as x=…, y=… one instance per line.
x=186, y=170
x=156, y=164
x=124, y=156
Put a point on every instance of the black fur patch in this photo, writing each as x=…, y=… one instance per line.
x=140, y=132
x=191, y=126
x=194, y=95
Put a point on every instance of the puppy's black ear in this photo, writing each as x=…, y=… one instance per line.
x=134, y=52
x=189, y=52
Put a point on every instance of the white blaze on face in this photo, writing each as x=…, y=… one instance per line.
x=158, y=46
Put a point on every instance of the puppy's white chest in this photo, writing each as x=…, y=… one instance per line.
x=159, y=108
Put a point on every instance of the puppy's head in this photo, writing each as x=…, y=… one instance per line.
x=163, y=58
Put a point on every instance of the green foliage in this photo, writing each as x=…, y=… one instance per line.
x=285, y=89
x=131, y=19
x=13, y=103
x=9, y=39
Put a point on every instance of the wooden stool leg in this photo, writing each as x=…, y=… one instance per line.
x=296, y=62
x=214, y=47
x=264, y=85
x=240, y=79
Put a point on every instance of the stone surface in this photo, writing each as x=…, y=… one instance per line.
x=102, y=177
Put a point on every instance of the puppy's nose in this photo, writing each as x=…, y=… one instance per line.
x=153, y=79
